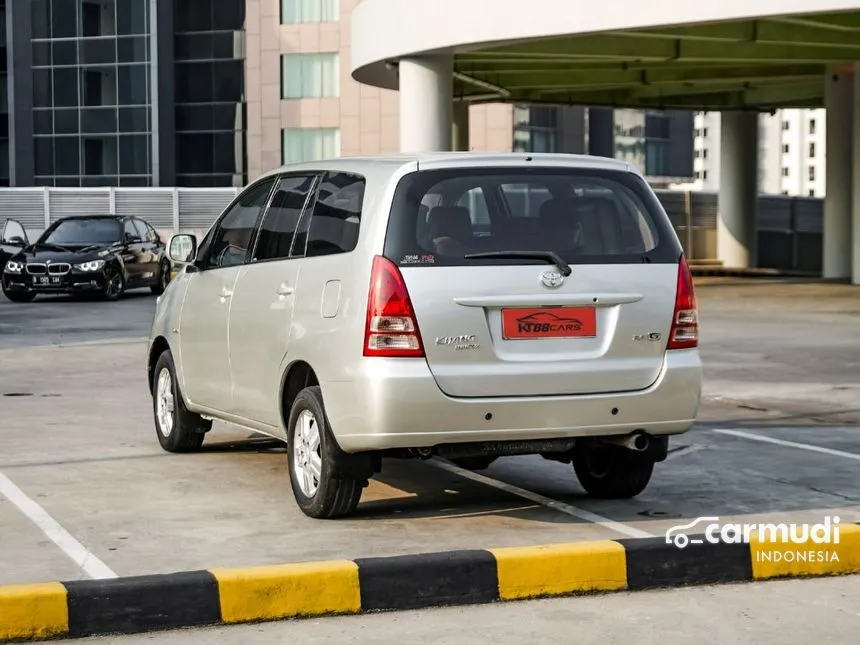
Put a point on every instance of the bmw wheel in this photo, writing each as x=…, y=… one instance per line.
x=114, y=285
x=163, y=279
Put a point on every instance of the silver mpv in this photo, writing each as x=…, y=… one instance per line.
x=462, y=306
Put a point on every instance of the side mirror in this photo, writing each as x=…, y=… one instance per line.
x=15, y=240
x=182, y=248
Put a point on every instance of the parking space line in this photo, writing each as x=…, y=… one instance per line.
x=787, y=444
x=573, y=511
x=91, y=565
x=684, y=450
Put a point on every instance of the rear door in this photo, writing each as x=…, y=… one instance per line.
x=496, y=326
x=263, y=302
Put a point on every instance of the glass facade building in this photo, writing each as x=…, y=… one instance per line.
x=660, y=143
x=4, y=102
x=123, y=93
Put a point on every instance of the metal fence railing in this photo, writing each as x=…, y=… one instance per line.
x=789, y=228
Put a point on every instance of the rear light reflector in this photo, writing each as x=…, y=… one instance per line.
x=685, y=318
x=391, y=328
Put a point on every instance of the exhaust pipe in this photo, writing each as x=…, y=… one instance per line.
x=638, y=441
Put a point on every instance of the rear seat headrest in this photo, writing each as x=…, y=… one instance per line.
x=450, y=221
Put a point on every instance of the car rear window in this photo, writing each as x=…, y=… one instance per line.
x=586, y=216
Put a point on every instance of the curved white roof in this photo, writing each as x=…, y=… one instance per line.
x=567, y=51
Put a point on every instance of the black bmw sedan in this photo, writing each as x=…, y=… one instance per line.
x=100, y=254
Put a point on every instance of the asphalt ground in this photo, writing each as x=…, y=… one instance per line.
x=85, y=491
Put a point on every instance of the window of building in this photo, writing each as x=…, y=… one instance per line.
x=309, y=144
x=785, y=125
x=785, y=148
x=811, y=171
x=298, y=11
x=306, y=76
x=811, y=126
x=704, y=153
x=812, y=192
x=811, y=150
x=785, y=172
x=704, y=174
x=698, y=174
x=337, y=214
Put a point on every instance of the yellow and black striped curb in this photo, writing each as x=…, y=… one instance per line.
x=224, y=596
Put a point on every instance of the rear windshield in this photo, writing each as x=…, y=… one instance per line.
x=586, y=216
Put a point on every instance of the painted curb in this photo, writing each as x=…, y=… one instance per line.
x=242, y=595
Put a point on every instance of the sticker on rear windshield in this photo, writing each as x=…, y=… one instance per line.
x=426, y=258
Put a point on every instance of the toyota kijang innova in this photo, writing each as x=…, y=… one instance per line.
x=460, y=306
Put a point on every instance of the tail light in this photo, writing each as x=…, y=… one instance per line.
x=685, y=320
x=391, y=328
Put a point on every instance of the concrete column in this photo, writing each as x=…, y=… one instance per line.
x=838, y=99
x=460, y=132
x=736, y=224
x=426, y=98
x=855, y=180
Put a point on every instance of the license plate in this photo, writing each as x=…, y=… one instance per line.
x=549, y=322
x=46, y=280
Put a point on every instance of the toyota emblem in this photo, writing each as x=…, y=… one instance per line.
x=552, y=279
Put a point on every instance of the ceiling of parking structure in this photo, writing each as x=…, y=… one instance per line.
x=759, y=64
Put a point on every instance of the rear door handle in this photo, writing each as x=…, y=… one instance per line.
x=285, y=290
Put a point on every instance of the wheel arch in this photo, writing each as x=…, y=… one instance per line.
x=297, y=376
x=157, y=348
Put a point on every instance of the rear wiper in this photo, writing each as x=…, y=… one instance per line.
x=548, y=256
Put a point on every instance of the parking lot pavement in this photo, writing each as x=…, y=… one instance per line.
x=78, y=441
x=795, y=612
x=53, y=320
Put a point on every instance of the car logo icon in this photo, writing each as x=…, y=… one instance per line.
x=552, y=279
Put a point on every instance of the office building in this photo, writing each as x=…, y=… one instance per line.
x=215, y=92
x=791, y=152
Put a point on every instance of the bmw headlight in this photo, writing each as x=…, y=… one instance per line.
x=14, y=267
x=91, y=266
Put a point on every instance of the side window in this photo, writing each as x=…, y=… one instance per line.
x=142, y=233
x=232, y=236
x=151, y=233
x=336, y=215
x=130, y=231
x=13, y=230
x=282, y=218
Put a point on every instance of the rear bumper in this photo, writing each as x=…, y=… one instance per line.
x=396, y=404
x=68, y=283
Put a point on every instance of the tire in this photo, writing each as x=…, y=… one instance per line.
x=114, y=284
x=178, y=429
x=309, y=441
x=163, y=279
x=612, y=472
x=20, y=296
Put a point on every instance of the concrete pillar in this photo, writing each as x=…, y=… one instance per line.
x=839, y=100
x=460, y=132
x=855, y=180
x=736, y=225
x=426, y=98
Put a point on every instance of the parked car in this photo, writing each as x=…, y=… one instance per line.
x=13, y=238
x=101, y=254
x=463, y=306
